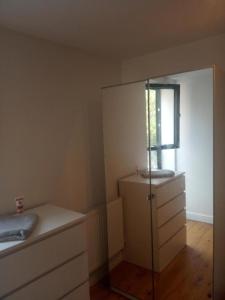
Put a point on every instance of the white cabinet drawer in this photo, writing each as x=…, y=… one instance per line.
x=172, y=248
x=81, y=293
x=170, y=190
x=26, y=264
x=170, y=228
x=170, y=209
x=55, y=284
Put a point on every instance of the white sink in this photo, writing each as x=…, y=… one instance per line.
x=157, y=173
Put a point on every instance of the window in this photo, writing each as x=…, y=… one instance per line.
x=163, y=107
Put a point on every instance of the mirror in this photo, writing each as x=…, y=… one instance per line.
x=158, y=150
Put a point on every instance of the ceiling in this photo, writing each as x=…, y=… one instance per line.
x=116, y=28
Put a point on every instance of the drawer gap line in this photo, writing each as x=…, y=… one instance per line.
x=178, y=195
x=42, y=275
x=172, y=218
x=74, y=289
x=172, y=236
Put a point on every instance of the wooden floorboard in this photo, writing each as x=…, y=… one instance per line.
x=187, y=277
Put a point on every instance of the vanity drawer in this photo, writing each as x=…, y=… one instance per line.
x=170, y=228
x=57, y=283
x=81, y=293
x=170, y=209
x=28, y=263
x=172, y=248
x=170, y=190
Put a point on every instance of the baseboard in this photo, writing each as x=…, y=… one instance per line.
x=199, y=217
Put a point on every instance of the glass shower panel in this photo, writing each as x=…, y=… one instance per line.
x=181, y=143
x=126, y=154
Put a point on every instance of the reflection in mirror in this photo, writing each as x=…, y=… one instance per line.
x=158, y=147
x=125, y=112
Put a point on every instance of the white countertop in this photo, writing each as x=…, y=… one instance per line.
x=155, y=182
x=50, y=220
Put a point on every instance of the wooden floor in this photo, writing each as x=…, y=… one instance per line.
x=188, y=277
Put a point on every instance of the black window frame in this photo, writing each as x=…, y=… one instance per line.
x=159, y=147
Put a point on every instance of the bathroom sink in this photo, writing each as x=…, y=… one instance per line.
x=157, y=173
x=162, y=173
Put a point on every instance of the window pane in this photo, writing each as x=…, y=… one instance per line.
x=147, y=120
x=154, y=160
x=167, y=116
x=153, y=124
x=168, y=159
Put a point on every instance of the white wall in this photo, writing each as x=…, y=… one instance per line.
x=196, y=55
x=50, y=123
x=195, y=155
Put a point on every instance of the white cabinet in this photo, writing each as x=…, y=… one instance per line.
x=162, y=219
x=52, y=263
x=81, y=293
